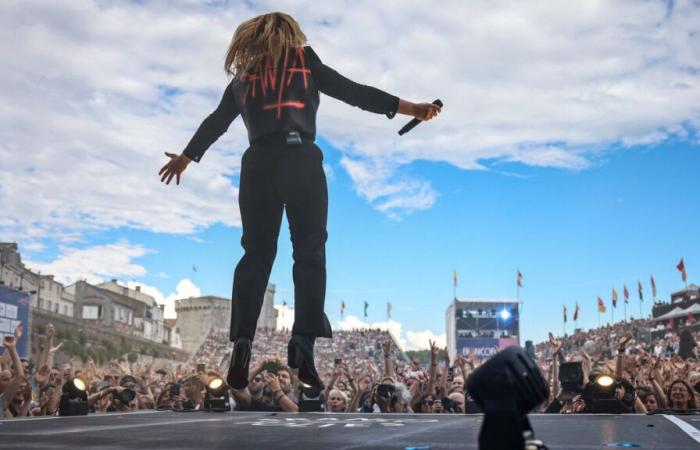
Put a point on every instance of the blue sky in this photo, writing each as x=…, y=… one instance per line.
x=573, y=234
x=567, y=149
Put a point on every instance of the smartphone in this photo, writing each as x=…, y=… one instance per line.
x=271, y=367
x=337, y=361
x=174, y=390
x=450, y=374
x=201, y=368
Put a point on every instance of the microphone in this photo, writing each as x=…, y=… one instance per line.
x=409, y=126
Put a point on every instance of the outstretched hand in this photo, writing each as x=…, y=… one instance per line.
x=426, y=111
x=174, y=167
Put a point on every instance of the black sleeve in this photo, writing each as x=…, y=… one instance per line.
x=213, y=126
x=333, y=84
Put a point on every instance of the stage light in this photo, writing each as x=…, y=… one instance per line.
x=216, y=398
x=216, y=386
x=505, y=314
x=506, y=387
x=605, y=380
x=73, y=400
x=600, y=397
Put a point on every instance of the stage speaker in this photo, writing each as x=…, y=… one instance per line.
x=507, y=387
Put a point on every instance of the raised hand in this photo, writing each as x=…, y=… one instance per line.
x=18, y=331
x=386, y=346
x=426, y=111
x=272, y=382
x=9, y=342
x=56, y=348
x=433, y=349
x=174, y=167
x=623, y=342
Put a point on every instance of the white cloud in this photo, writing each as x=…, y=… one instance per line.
x=375, y=180
x=420, y=340
x=413, y=340
x=94, y=264
x=185, y=288
x=86, y=119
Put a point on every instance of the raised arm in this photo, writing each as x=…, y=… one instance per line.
x=213, y=126
x=368, y=98
x=388, y=363
x=18, y=372
x=620, y=363
x=433, y=367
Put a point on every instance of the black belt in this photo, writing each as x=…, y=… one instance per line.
x=284, y=137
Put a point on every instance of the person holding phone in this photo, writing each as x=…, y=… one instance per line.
x=275, y=88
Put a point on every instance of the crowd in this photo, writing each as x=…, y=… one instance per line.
x=364, y=371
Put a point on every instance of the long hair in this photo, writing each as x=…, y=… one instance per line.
x=269, y=35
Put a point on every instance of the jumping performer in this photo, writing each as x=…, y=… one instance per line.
x=275, y=88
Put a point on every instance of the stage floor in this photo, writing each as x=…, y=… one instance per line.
x=248, y=430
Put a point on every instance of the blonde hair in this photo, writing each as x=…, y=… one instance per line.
x=340, y=394
x=264, y=35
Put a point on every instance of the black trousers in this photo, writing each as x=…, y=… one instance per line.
x=276, y=176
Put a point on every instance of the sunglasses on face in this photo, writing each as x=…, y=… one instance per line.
x=428, y=402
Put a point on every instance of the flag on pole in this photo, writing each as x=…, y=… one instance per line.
x=388, y=310
x=455, y=278
x=614, y=298
x=564, y=313
x=681, y=268
x=194, y=268
x=520, y=279
x=653, y=287
x=626, y=294
x=576, y=312
x=366, y=306
x=639, y=289
x=601, y=305
x=342, y=309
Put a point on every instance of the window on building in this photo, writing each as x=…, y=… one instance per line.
x=55, y=307
x=65, y=310
x=122, y=314
x=49, y=305
x=92, y=311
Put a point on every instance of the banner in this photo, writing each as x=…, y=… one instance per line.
x=14, y=308
x=484, y=347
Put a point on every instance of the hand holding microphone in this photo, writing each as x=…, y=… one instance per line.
x=423, y=112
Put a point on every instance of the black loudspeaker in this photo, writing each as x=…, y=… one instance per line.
x=571, y=376
x=506, y=387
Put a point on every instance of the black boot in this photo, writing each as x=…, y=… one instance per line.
x=240, y=362
x=300, y=355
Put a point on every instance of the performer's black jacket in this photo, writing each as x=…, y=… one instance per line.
x=284, y=97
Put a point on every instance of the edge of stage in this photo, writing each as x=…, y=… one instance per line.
x=261, y=430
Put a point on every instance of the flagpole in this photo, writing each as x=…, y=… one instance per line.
x=625, y=309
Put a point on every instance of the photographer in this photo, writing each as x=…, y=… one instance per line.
x=276, y=395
